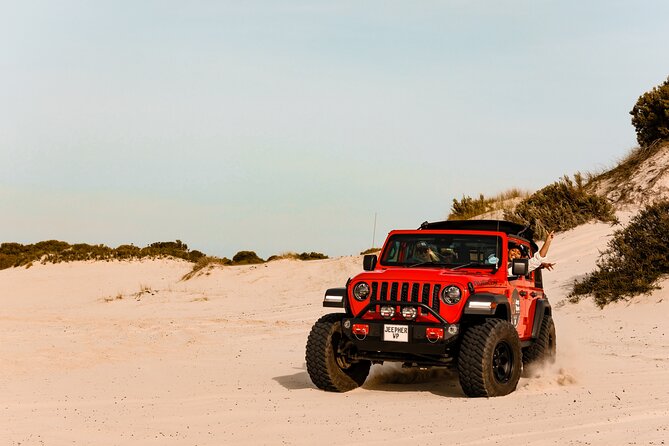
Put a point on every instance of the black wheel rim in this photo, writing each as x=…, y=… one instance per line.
x=337, y=346
x=502, y=362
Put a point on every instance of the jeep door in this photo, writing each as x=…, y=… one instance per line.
x=522, y=289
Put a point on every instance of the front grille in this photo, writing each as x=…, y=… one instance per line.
x=424, y=293
x=435, y=297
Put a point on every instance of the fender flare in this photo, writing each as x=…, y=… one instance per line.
x=541, y=308
x=335, y=297
x=486, y=304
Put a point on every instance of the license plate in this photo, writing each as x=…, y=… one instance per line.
x=396, y=333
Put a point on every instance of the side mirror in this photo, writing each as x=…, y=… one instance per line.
x=520, y=267
x=369, y=262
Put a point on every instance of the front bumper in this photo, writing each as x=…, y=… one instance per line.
x=416, y=343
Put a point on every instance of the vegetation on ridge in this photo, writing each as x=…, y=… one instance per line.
x=469, y=207
x=618, y=177
x=246, y=258
x=54, y=251
x=636, y=258
x=302, y=256
x=561, y=206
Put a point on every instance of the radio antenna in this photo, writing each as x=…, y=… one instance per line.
x=374, y=231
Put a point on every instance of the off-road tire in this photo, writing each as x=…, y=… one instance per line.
x=328, y=370
x=544, y=347
x=489, y=361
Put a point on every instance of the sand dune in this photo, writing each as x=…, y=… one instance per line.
x=127, y=353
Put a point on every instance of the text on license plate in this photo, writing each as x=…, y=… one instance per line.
x=396, y=333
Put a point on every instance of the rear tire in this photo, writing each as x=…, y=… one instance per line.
x=489, y=362
x=544, y=347
x=327, y=365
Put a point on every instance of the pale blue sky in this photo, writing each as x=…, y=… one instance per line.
x=284, y=126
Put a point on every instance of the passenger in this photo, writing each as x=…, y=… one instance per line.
x=447, y=255
x=538, y=259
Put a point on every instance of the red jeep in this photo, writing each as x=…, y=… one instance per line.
x=443, y=295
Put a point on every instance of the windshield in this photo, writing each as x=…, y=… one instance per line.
x=445, y=250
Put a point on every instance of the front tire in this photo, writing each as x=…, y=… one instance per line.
x=327, y=364
x=489, y=362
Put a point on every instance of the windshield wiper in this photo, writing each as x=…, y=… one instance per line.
x=428, y=262
x=466, y=264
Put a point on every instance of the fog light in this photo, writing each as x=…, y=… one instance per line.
x=409, y=313
x=387, y=312
x=453, y=329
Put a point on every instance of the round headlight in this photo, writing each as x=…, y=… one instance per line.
x=451, y=295
x=361, y=291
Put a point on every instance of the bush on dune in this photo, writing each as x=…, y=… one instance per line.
x=246, y=258
x=560, y=206
x=650, y=115
x=636, y=258
x=305, y=256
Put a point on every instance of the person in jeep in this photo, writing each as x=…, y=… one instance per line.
x=537, y=260
x=424, y=253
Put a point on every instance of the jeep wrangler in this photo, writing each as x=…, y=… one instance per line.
x=443, y=295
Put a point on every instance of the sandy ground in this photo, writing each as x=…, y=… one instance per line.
x=126, y=353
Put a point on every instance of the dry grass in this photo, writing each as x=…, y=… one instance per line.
x=618, y=177
x=143, y=289
x=205, y=264
x=200, y=299
x=119, y=296
x=469, y=207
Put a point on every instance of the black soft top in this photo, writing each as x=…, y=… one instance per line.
x=508, y=227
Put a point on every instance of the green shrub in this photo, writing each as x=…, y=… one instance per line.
x=195, y=255
x=296, y=256
x=127, y=252
x=650, y=115
x=636, y=257
x=560, y=206
x=370, y=251
x=311, y=256
x=246, y=258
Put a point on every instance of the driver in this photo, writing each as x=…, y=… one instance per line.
x=423, y=253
